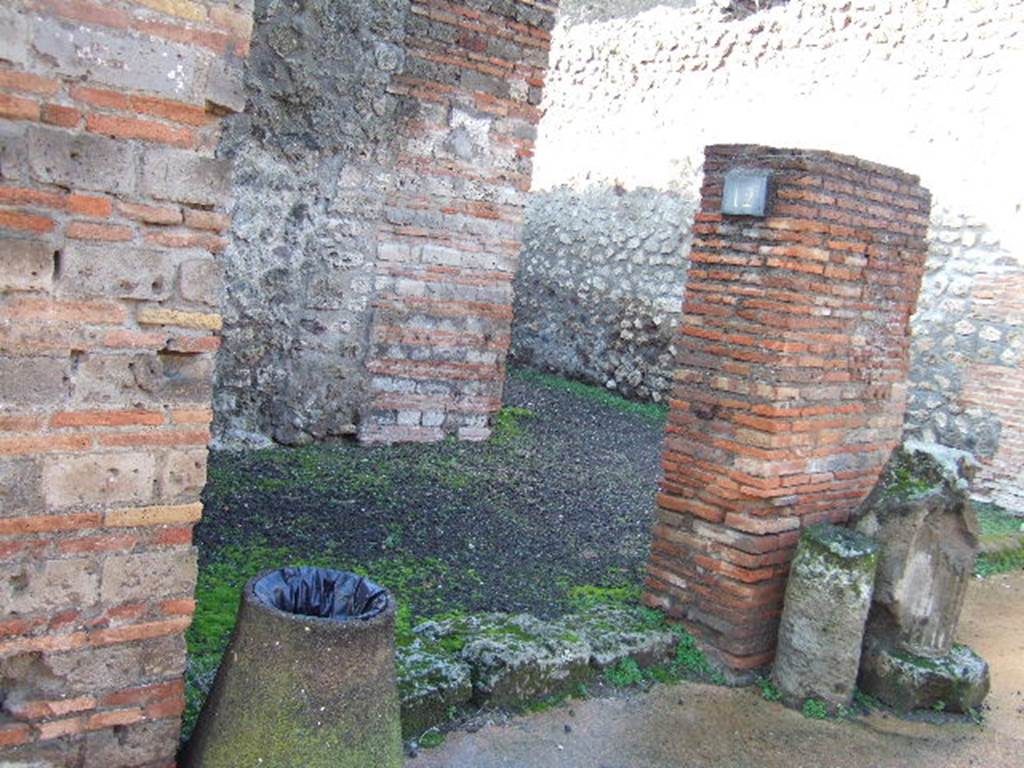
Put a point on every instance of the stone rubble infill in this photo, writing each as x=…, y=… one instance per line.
x=499, y=660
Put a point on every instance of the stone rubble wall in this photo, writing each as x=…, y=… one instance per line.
x=636, y=90
x=312, y=157
x=600, y=289
x=112, y=213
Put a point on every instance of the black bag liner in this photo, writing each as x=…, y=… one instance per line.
x=322, y=593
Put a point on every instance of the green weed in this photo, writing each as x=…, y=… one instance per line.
x=432, y=739
x=992, y=564
x=866, y=701
x=507, y=425
x=624, y=673
x=814, y=709
x=769, y=691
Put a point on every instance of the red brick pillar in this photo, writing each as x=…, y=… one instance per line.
x=789, y=393
x=112, y=208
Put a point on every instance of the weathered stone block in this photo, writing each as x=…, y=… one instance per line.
x=921, y=515
x=224, y=86
x=123, y=271
x=13, y=150
x=162, y=377
x=34, y=380
x=430, y=682
x=20, y=484
x=201, y=280
x=614, y=635
x=174, y=174
x=957, y=681
x=98, y=478
x=49, y=585
x=81, y=161
x=28, y=265
x=149, y=575
x=136, y=62
x=13, y=35
x=516, y=659
x=136, y=744
x=114, y=667
x=184, y=474
x=827, y=600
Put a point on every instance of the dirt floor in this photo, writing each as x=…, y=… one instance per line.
x=698, y=726
x=562, y=495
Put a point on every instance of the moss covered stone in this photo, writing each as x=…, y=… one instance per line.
x=928, y=543
x=432, y=683
x=826, y=606
x=297, y=691
x=513, y=661
x=955, y=682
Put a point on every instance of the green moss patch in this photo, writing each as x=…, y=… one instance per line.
x=653, y=412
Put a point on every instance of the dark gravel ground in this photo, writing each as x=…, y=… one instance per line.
x=562, y=496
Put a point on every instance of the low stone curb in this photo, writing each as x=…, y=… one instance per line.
x=499, y=660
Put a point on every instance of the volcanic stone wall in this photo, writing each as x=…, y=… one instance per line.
x=112, y=208
x=635, y=91
x=382, y=167
x=793, y=353
x=600, y=289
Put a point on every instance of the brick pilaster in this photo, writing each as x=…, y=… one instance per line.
x=449, y=244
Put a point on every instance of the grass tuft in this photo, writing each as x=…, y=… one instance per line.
x=653, y=412
x=815, y=710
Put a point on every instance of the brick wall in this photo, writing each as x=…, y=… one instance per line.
x=449, y=240
x=112, y=208
x=790, y=389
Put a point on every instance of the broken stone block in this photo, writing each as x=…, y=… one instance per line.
x=922, y=517
x=517, y=659
x=955, y=682
x=615, y=635
x=431, y=681
x=825, y=609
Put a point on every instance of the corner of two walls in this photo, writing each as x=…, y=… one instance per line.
x=636, y=91
x=381, y=173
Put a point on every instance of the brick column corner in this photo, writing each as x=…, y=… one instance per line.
x=449, y=243
x=112, y=210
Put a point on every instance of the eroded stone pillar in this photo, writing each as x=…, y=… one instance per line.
x=790, y=388
x=828, y=596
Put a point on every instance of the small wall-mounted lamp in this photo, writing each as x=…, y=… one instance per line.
x=745, y=192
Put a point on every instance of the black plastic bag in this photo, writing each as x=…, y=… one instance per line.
x=321, y=593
